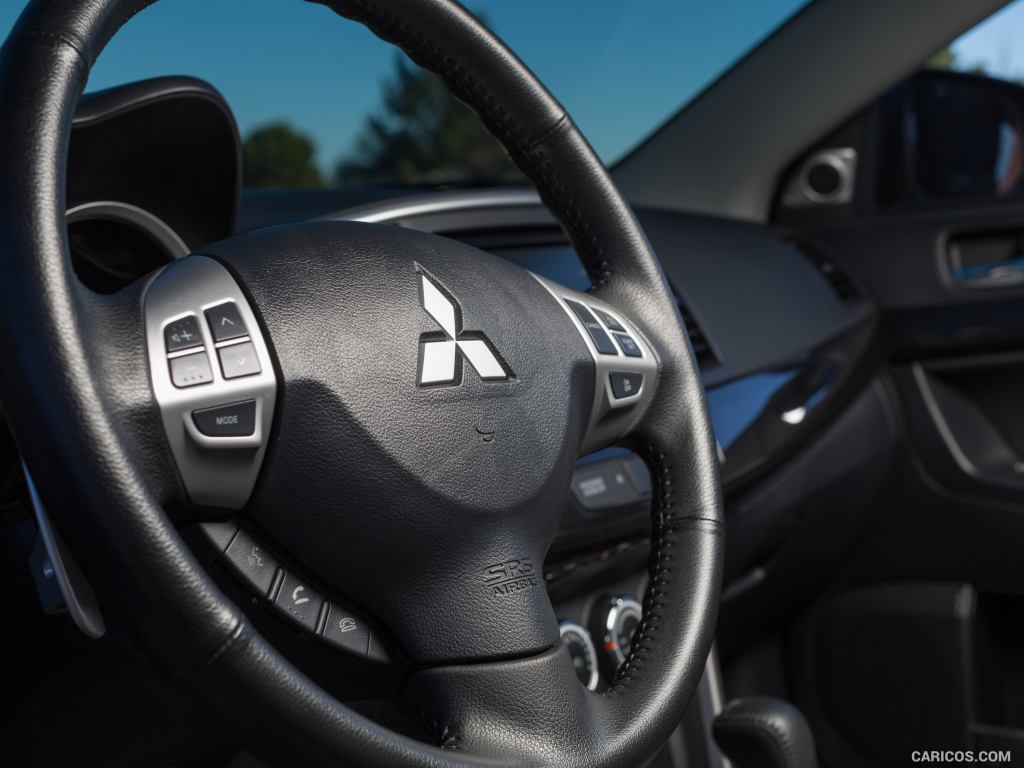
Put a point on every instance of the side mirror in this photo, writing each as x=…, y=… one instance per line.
x=961, y=136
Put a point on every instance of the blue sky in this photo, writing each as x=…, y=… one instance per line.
x=620, y=67
x=997, y=44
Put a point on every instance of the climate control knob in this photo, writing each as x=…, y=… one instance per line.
x=581, y=649
x=615, y=633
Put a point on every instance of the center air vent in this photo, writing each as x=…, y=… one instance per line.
x=702, y=349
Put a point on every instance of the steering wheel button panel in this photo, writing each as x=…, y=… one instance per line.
x=602, y=341
x=239, y=360
x=257, y=566
x=231, y=420
x=629, y=347
x=346, y=630
x=191, y=370
x=217, y=432
x=299, y=602
x=182, y=334
x=328, y=619
x=226, y=322
x=619, y=398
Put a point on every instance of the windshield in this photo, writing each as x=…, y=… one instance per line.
x=322, y=103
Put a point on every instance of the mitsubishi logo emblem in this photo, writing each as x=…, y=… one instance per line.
x=442, y=353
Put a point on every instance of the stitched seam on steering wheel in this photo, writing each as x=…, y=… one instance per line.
x=223, y=648
x=81, y=60
x=659, y=569
x=554, y=192
x=498, y=121
x=85, y=60
x=664, y=525
x=424, y=51
x=138, y=7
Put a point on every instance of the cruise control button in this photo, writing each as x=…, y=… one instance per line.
x=254, y=563
x=609, y=320
x=298, y=601
x=182, y=334
x=601, y=339
x=239, y=360
x=190, y=370
x=346, y=630
x=629, y=346
x=232, y=420
x=225, y=322
x=625, y=384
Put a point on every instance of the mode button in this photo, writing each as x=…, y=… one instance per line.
x=232, y=420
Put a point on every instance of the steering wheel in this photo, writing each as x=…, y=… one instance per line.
x=416, y=410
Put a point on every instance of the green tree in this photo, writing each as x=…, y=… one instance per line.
x=277, y=155
x=946, y=58
x=423, y=135
x=942, y=59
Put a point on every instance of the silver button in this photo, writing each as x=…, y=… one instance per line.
x=190, y=370
x=239, y=360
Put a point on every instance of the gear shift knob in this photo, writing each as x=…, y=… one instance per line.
x=763, y=732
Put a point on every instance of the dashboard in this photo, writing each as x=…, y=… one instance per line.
x=766, y=386
x=780, y=334
x=776, y=327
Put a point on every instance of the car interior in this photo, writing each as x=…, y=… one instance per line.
x=639, y=388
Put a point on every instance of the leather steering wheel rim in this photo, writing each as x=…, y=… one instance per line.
x=95, y=469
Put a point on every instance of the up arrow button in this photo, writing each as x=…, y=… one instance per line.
x=225, y=322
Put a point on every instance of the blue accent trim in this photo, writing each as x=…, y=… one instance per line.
x=983, y=271
x=736, y=405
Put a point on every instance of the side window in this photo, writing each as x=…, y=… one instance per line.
x=994, y=48
x=954, y=132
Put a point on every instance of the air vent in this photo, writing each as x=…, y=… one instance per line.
x=706, y=357
x=844, y=290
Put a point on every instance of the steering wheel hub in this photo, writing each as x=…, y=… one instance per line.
x=415, y=497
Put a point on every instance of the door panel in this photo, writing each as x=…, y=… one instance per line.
x=918, y=641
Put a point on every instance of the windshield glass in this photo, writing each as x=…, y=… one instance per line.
x=321, y=102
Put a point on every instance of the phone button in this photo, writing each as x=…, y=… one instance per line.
x=298, y=601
